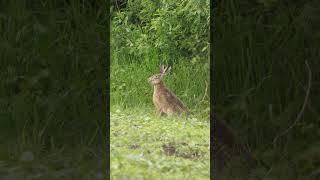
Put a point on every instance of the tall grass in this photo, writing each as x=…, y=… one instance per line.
x=130, y=86
x=146, y=34
x=261, y=80
x=52, y=71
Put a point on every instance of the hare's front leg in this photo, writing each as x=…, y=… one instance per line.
x=158, y=111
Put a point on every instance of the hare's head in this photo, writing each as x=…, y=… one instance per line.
x=156, y=79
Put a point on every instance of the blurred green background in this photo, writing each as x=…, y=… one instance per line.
x=53, y=89
x=261, y=81
x=52, y=59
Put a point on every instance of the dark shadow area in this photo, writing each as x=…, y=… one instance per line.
x=266, y=77
x=53, y=92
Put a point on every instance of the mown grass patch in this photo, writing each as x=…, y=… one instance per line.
x=145, y=146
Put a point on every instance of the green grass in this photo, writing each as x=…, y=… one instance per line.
x=83, y=163
x=52, y=89
x=261, y=81
x=138, y=138
x=144, y=146
x=189, y=81
x=144, y=35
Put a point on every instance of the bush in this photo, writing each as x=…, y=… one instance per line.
x=174, y=30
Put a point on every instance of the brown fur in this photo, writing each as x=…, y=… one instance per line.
x=165, y=101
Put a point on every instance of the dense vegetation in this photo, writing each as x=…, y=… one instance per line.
x=52, y=88
x=52, y=91
x=143, y=35
x=262, y=82
x=147, y=33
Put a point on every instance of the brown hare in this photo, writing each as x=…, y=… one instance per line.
x=165, y=102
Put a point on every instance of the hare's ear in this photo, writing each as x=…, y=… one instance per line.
x=162, y=69
x=166, y=70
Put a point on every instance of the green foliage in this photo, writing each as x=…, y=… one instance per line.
x=51, y=65
x=261, y=81
x=143, y=35
x=130, y=86
x=147, y=33
x=168, y=29
x=50, y=72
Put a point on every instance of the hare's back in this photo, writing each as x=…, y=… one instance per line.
x=174, y=102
